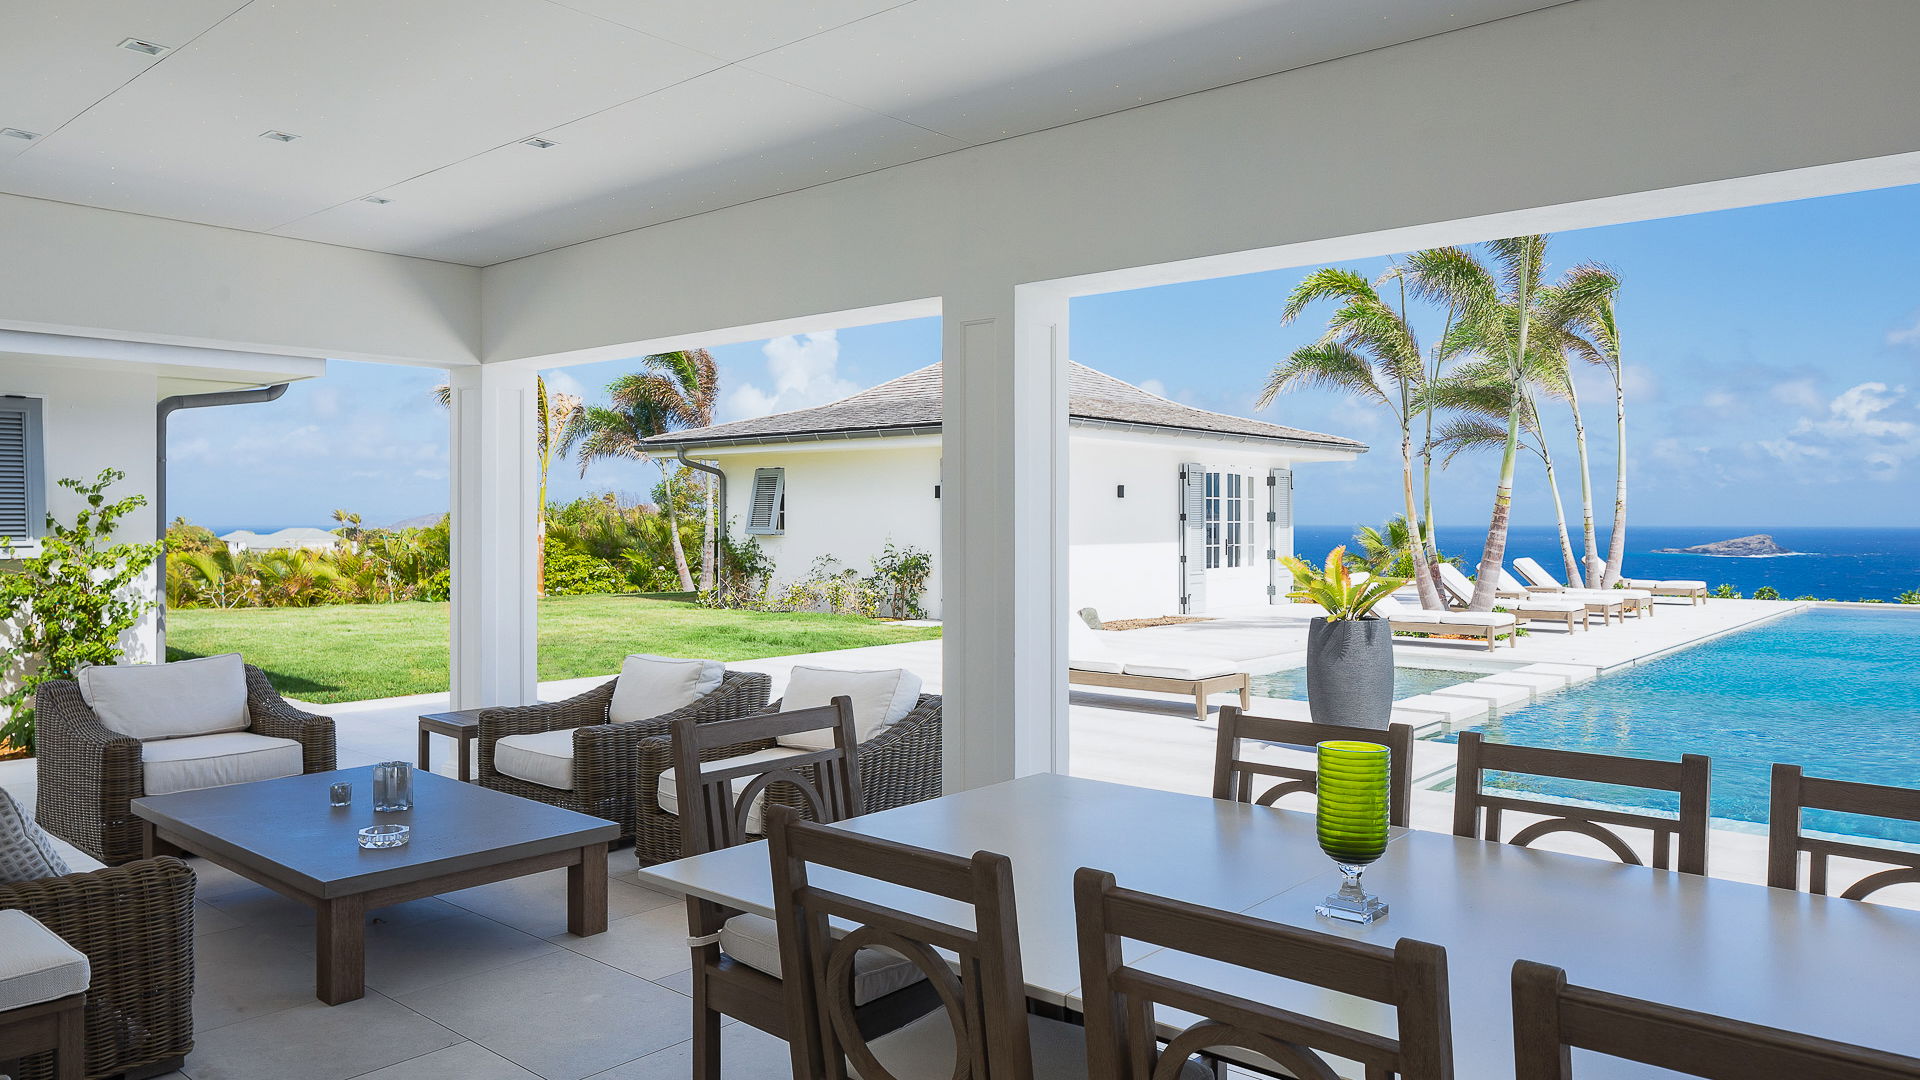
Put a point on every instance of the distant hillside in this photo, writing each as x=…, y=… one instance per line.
x=422, y=521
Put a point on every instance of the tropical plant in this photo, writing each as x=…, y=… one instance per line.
x=1583, y=303
x=1370, y=351
x=1766, y=592
x=67, y=606
x=900, y=578
x=671, y=392
x=1911, y=596
x=1482, y=297
x=1726, y=592
x=1334, y=587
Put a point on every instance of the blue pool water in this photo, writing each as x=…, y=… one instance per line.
x=1836, y=692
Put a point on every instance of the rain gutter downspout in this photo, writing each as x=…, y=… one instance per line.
x=719, y=512
x=166, y=408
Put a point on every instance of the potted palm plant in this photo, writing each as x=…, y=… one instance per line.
x=1349, y=649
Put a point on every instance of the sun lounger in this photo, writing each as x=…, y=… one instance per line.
x=1530, y=607
x=1093, y=659
x=1478, y=624
x=1695, y=592
x=1603, y=603
x=1638, y=601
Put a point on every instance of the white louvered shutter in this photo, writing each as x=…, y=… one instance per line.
x=1193, y=538
x=764, y=516
x=21, y=511
x=1279, y=533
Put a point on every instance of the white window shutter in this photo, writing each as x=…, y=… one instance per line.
x=1279, y=532
x=22, y=485
x=764, y=513
x=1193, y=538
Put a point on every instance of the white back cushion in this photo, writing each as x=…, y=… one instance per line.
x=879, y=698
x=169, y=701
x=652, y=685
x=26, y=851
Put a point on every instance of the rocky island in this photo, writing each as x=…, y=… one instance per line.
x=1739, y=547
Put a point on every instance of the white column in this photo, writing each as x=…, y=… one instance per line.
x=1004, y=534
x=494, y=489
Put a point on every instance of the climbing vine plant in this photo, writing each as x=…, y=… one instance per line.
x=67, y=606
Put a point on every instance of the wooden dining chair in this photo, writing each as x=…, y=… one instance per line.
x=1794, y=792
x=1552, y=1018
x=1475, y=810
x=1234, y=776
x=736, y=958
x=1120, y=999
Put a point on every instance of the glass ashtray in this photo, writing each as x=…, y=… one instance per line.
x=385, y=836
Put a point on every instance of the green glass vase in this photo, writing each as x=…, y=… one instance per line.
x=1353, y=792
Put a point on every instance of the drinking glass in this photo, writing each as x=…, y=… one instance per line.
x=392, y=786
x=1352, y=822
x=340, y=794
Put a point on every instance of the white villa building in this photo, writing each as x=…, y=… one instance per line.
x=301, y=539
x=1171, y=509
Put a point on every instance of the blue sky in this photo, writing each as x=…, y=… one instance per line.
x=1773, y=357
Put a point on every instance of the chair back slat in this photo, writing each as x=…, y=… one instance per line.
x=1119, y=999
x=1552, y=1018
x=1234, y=776
x=983, y=990
x=716, y=808
x=1477, y=813
x=1794, y=792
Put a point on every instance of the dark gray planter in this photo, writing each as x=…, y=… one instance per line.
x=1350, y=672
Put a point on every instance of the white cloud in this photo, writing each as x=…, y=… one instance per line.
x=1797, y=392
x=1719, y=400
x=803, y=372
x=1909, y=335
x=559, y=382
x=1154, y=387
x=1860, y=428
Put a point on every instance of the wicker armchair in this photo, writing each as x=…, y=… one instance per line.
x=898, y=766
x=89, y=775
x=135, y=923
x=606, y=759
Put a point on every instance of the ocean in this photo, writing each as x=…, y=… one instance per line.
x=1834, y=564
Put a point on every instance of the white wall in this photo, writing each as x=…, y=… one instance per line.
x=845, y=500
x=89, y=423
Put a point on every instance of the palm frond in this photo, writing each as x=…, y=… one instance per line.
x=1325, y=364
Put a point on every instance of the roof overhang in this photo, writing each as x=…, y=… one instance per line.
x=740, y=443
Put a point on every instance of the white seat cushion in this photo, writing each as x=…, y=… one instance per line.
x=27, y=853
x=544, y=758
x=1676, y=583
x=36, y=964
x=754, y=941
x=668, y=798
x=1189, y=668
x=651, y=686
x=1547, y=602
x=204, y=761
x=923, y=1050
x=168, y=701
x=1085, y=663
x=1596, y=595
x=879, y=698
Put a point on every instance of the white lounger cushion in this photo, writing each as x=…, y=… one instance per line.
x=168, y=701
x=651, y=686
x=204, y=761
x=1087, y=650
x=668, y=798
x=36, y=964
x=1462, y=588
x=1649, y=583
x=1186, y=668
x=754, y=941
x=1091, y=650
x=1537, y=574
x=1395, y=611
x=879, y=698
x=1543, y=602
x=544, y=758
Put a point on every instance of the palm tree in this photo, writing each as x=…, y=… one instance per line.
x=1452, y=276
x=1388, y=551
x=554, y=417
x=350, y=528
x=1583, y=303
x=671, y=392
x=1368, y=350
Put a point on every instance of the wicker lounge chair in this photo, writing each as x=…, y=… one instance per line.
x=605, y=765
x=900, y=765
x=1530, y=607
x=1638, y=601
x=89, y=774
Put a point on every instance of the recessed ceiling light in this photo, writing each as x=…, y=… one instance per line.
x=16, y=133
x=376, y=200
x=147, y=47
x=538, y=143
x=278, y=136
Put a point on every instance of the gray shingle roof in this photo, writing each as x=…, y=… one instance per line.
x=911, y=404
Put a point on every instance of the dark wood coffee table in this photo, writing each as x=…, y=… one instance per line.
x=282, y=834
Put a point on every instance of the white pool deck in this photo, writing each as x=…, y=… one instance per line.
x=484, y=984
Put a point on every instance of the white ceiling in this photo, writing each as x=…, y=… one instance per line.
x=659, y=109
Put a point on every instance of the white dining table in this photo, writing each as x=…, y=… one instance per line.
x=1840, y=969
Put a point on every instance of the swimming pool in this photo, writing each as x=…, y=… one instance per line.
x=1834, y=691
x=1407, y=681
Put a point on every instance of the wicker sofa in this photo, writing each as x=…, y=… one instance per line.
x=900, y=765
x=606, y=761
x=135, y=923
x=89, y=774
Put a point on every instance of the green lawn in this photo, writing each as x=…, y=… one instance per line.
x=350, y=652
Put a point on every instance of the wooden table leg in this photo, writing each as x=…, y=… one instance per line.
x=465, y=744
x=341, y=948
x=426, y=750
x=70, y=1060
x=146, y=840
x=587, y=892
